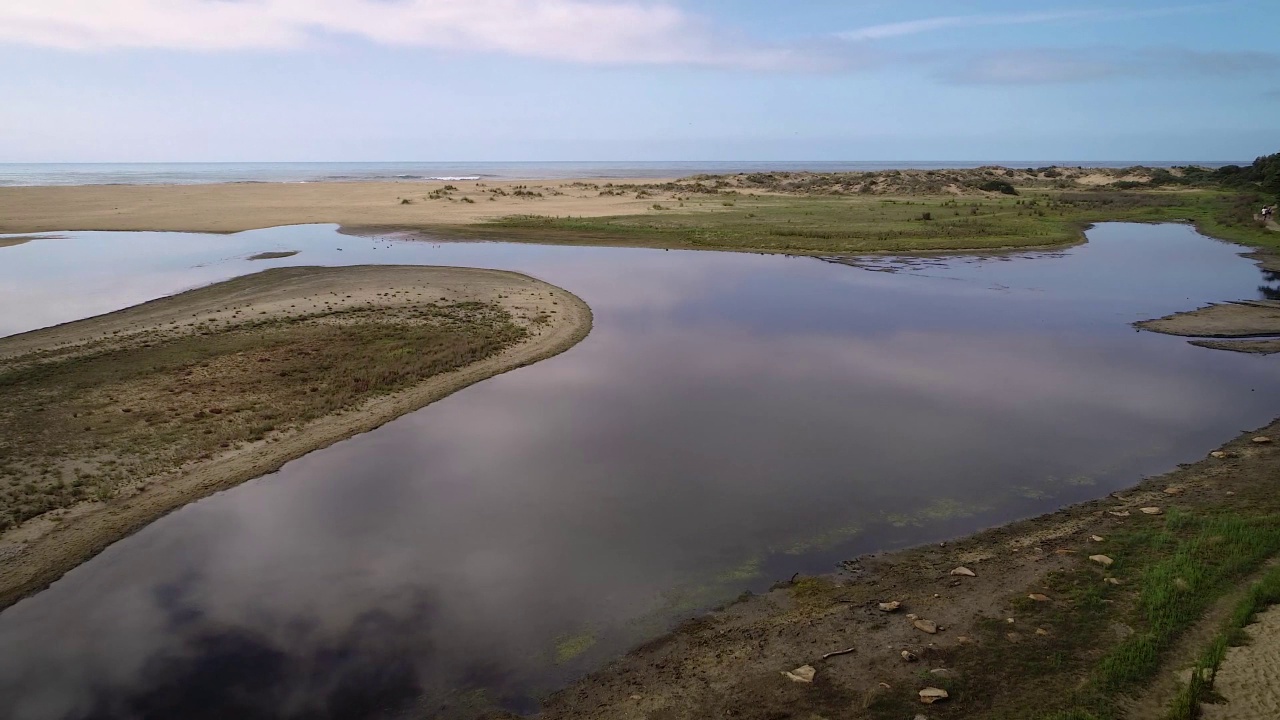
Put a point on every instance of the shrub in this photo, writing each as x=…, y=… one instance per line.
x=1000, y=186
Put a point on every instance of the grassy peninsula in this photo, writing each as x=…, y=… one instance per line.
x=112, y=421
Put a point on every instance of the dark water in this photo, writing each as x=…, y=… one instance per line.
x=196, y=173
x=732, y=419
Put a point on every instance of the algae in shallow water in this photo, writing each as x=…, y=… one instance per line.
x=570, y=647
x=936, y=511
x=825, y=541
x=746, y=571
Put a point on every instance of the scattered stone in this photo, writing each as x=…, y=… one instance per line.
x=1151, y=510
x=937, y=595
x=943, y=672
x=1064, y=551
x=962, y=639
x=909, y=656
x=802, y=674
x=1111, y=580
x=1041, y=631
x=1102, y=560
x=962, y=570
x=1262, y=440
x=912, y=616
x=1118, y=513
x=885, y=685
x=931, y=695
x=921, y=717
x=637, y=697
x=1217, y=454
x=1174, y=490
x=1039, y=597
x=1013, y=637
x=1097, y=538
x=891, y=606
x=928, y=626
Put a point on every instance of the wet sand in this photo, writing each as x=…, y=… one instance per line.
x=37, y=552
x=15, y=241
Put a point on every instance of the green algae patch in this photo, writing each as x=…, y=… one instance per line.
x=570, y=647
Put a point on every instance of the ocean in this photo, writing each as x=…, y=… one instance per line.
x=20, y=174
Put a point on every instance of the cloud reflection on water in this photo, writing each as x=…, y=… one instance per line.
x=723, y=407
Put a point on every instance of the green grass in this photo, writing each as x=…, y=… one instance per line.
x=79, y=425
x=843, y=224
x=1261, y=595
x=1171, y=573
x=1197, y=559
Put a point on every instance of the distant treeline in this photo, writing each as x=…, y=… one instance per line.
x=1262, y=176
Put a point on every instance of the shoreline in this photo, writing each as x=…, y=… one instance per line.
x=731, y=660
x=39, y=551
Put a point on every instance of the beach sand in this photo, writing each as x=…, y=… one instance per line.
x=236, y=207
x=38, y=551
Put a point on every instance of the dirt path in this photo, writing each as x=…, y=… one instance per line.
x=1153, y=702
x=1249, y=679
x=39, y=551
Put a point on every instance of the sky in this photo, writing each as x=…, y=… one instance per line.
x=514, y=80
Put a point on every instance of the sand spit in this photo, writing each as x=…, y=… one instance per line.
x=39, y=550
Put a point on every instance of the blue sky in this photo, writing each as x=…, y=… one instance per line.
x=240, y=80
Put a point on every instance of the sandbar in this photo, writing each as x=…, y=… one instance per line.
x=539, y=320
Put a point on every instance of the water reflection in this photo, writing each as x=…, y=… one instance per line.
x=731, y=419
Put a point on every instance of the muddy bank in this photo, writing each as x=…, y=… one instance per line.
x=149, y=408
x=1246, y=326
x=731, y=663
x=1242, y=319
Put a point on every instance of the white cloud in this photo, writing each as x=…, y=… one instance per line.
x=589, y=31
x=949, y=22
x=915, y=27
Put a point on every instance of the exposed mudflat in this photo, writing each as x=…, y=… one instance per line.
x=1256, y=347
x=1242, y=319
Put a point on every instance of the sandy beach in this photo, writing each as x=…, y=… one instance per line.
x=36, y=552
x=234, y=207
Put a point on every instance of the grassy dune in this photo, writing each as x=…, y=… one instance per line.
x=856, y=223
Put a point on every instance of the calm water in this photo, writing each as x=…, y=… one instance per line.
x=732, y=419
x=194, y=173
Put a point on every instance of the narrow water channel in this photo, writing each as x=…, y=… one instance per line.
x=732, y=419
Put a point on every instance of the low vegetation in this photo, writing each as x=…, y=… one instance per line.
x=936, y=210
x=87, y=423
